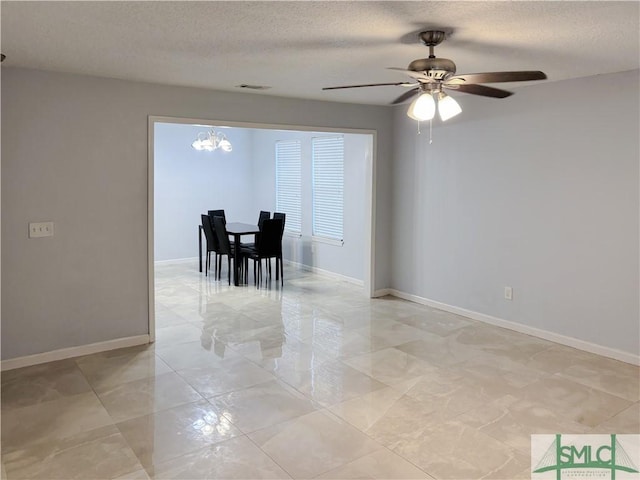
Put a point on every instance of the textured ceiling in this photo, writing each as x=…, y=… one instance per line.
x=299, y=47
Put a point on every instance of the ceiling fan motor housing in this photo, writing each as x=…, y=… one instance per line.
x=431, y=38
x=435, y=68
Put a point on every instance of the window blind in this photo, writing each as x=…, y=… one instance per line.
x=288, y=183
x=328, y=187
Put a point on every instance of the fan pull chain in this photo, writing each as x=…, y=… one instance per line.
x=430, y=130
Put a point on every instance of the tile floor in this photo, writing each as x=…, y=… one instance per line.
x=312, y=380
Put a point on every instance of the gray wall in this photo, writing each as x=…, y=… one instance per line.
x=190, y=182
x=348, y=259
x=74, y=151
x=539, y=192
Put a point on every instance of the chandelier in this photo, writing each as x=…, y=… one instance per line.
x=211, y=141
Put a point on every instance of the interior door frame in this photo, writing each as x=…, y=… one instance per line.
x=370, y=188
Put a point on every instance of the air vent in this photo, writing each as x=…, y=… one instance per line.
x=253, y=87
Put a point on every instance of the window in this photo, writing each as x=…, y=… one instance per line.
x=328, y=187
x=288, y=183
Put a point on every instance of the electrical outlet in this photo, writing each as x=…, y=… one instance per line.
x=42, y=229
x=508, y=293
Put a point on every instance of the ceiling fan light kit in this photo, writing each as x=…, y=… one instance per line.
x=424, y=107
x=432, y=75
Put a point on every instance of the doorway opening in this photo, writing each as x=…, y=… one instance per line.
x=185, y=182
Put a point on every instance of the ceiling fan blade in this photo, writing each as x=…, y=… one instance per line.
x=402, y=84
x=495, y=77
x=482, y=90
x=406, y=96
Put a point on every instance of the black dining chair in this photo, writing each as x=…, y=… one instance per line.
x=217, y=213
x=269, y=246
x=283, y=216
x=264, y=215
x=212, y=244
x=225, y=247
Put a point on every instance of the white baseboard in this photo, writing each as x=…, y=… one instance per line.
x=177, y=261
x=528, y=330
x=71, y=352
x=383, y=292
x=325, y=273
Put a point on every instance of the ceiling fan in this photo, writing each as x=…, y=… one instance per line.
x=434, y=75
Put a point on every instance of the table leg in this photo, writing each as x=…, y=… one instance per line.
x=200, y=247
x=236, y=260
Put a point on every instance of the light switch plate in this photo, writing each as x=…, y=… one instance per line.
x=42, y=229
x=508, y=293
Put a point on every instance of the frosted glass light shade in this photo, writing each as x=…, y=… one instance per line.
x=225, y=145
x=422, y=108
x=448, y=107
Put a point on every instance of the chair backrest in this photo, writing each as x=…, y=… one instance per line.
x=270, y=241
x=217, y=213
x=223, y=236
x=212, y=240
x=282, y=216
x=262, y=217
